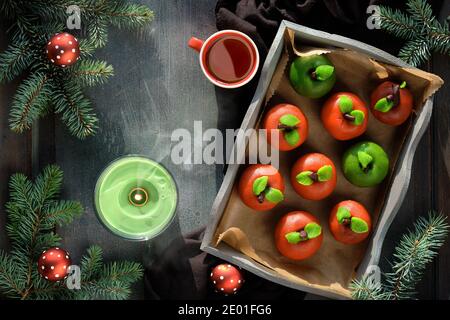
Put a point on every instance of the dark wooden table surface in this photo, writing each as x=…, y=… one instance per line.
x=158, y=87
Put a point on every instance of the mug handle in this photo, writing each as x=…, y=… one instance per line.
x=195, y=43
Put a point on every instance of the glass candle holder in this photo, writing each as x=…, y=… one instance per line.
x=135, y=198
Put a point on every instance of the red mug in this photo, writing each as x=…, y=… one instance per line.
x=228, y=58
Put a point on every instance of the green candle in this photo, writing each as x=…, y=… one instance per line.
x=135, y=198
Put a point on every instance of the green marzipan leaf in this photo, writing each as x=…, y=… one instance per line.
x=359, y=117
x=292, y=137
x=403, y=85
x=304, y=179
x=289, y=120
x=274, y=195
x=364, y=158
x=259, y=185
x=325, y=173
x=383, y=105
x=293, y=237
x=324, y=72
x=358, y=225
x=342, y=213
x=313, y=230
x=345, y=104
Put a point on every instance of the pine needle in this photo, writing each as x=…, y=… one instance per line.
x=15, y=60
x=76, y=110
x=92, y=72
x=33, y=22
x=33, y=212
x=30, y=102
x=424, y=34
x=415, y=251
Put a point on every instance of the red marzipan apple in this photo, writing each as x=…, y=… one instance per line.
x=298, y=235
x=291, y=123
x=392, y=103
x=345, y=116
x=261, y=187
x=350, y=223
x=313, y=176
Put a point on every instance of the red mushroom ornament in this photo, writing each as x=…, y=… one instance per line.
x=53, y=264
x=63, y=49
x=226, y=278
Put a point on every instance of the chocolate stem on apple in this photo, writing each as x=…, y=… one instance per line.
x=346, y=222
x=314, y=176
x=394, y=95
x=303, y=234
x=349, y=117
x=261, y=197
x=286, y=128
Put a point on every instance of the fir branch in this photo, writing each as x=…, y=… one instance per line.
x=421, y=11
x=20, y=192
x=423, y=31
x=415, y=52
x=397, y=23
x=92, y=72
x=440, y=38
x=61, y=212
x=126, y=15
x=87, y=48
x=367, y=289
x=103, y=290
x=414, y=252
x=91, y=263
x=97, y=31
x=35, y=21
x=124, y=271
x=33, y=211
x=75, y=108
x=44, y=290
x=47, y=185
x=30, y=102
x=9, y=276
x=14, y=60
x=44, y=241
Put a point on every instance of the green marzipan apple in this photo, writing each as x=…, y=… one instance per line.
x=365, y=164
x=312, y=76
